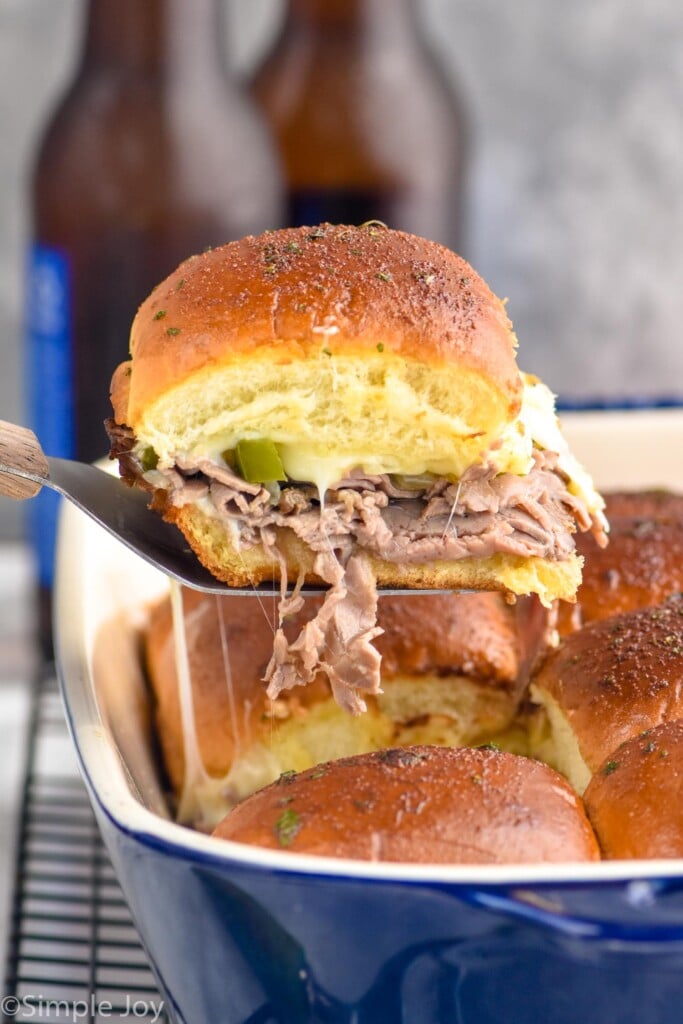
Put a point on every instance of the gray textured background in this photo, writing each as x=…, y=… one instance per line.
x=576, y=176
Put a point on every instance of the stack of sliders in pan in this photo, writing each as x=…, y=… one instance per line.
x=605, y=712
x=608, y=700
x=343, y=405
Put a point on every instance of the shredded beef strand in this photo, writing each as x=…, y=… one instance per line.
x=123, y=442
x=338, y=640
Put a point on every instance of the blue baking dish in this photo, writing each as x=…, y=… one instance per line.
x=239, y=935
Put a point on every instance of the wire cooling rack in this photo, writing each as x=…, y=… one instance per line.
x=73, y=953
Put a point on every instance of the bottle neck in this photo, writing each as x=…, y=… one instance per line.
x=378, y=20
x=152, y=37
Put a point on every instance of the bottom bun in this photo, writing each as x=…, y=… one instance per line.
x=427, y=805
x=512, y=574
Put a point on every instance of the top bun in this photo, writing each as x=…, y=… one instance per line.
x=608, y=682
x=634, y=799
x=642, y=566
x=421, y=804
x=303, y=334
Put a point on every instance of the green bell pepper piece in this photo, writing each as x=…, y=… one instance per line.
x=259, y=462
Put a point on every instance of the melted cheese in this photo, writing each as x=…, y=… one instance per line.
x=538, y=426
x=195, y=775
x=205, y=799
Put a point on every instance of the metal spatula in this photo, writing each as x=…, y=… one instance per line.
x=121, y=510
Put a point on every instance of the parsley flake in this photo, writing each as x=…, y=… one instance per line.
x=287, y=827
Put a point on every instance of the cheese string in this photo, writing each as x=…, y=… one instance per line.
x=194, y=772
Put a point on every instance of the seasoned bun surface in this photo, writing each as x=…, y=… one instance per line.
x=283, y=288
x=422, y=805
x=654, y=503
x=634, y=799
x=475, y=634
x=304, y=332
x=611, y=680
x=642, y=565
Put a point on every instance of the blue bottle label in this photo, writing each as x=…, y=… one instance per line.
x=49, y=369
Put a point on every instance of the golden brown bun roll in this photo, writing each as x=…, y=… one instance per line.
x=642, y=565
x=452, y=672
x=658, y=503
x=607, y=683
x=427, y=805
x=477, y=635
x=634, y=799
x=270, y=298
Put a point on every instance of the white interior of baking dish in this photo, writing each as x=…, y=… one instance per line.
x=103, y=592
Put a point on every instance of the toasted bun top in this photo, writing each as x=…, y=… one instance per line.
x=420, y=804
x=634, y=799
x=618, y=676
x=301, y=288
x=476, y=635
x=328, y=298
x=642, y=565
x=657, y=503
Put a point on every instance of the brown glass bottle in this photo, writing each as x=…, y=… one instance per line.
x=152, y=155
x=367, y=125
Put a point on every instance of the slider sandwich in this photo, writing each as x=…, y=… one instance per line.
x=342, y=405
x=634, y=798
x=454, y=669
x=642, y=566
x=607, y=683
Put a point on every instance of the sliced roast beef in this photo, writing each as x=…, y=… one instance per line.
x=485, y=513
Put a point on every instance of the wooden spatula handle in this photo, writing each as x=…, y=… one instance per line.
x=20, y=452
